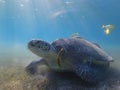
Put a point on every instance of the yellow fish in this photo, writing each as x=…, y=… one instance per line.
x=108, y=28
x=107, y=31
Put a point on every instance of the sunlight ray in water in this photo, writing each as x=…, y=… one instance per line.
x=26, y=13
x=33, y=16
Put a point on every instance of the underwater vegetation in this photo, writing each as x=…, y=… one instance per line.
x=15, y=78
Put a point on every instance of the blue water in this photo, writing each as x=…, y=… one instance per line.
x=23, y=20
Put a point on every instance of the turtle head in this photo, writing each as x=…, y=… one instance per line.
x=41, y=48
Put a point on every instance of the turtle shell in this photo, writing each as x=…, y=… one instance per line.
x=80, y=49
x=84, y=58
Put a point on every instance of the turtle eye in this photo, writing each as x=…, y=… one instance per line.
x=46, y=46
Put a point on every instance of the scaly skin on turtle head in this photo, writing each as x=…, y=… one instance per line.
x=47, y=51
x=42, y=48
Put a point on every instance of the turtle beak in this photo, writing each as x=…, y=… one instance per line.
x=32, y=44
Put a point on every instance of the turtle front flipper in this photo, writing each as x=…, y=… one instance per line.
x=87, y=73
x=32, y=67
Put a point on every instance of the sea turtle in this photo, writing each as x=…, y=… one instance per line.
x=74, y=54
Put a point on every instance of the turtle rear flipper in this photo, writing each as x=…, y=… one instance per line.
x=87, y=73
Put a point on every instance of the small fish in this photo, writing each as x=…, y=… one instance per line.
x=108, y=28
x=75, y=34
x=107, y=31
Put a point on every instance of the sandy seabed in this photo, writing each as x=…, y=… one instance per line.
x=15, y=78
